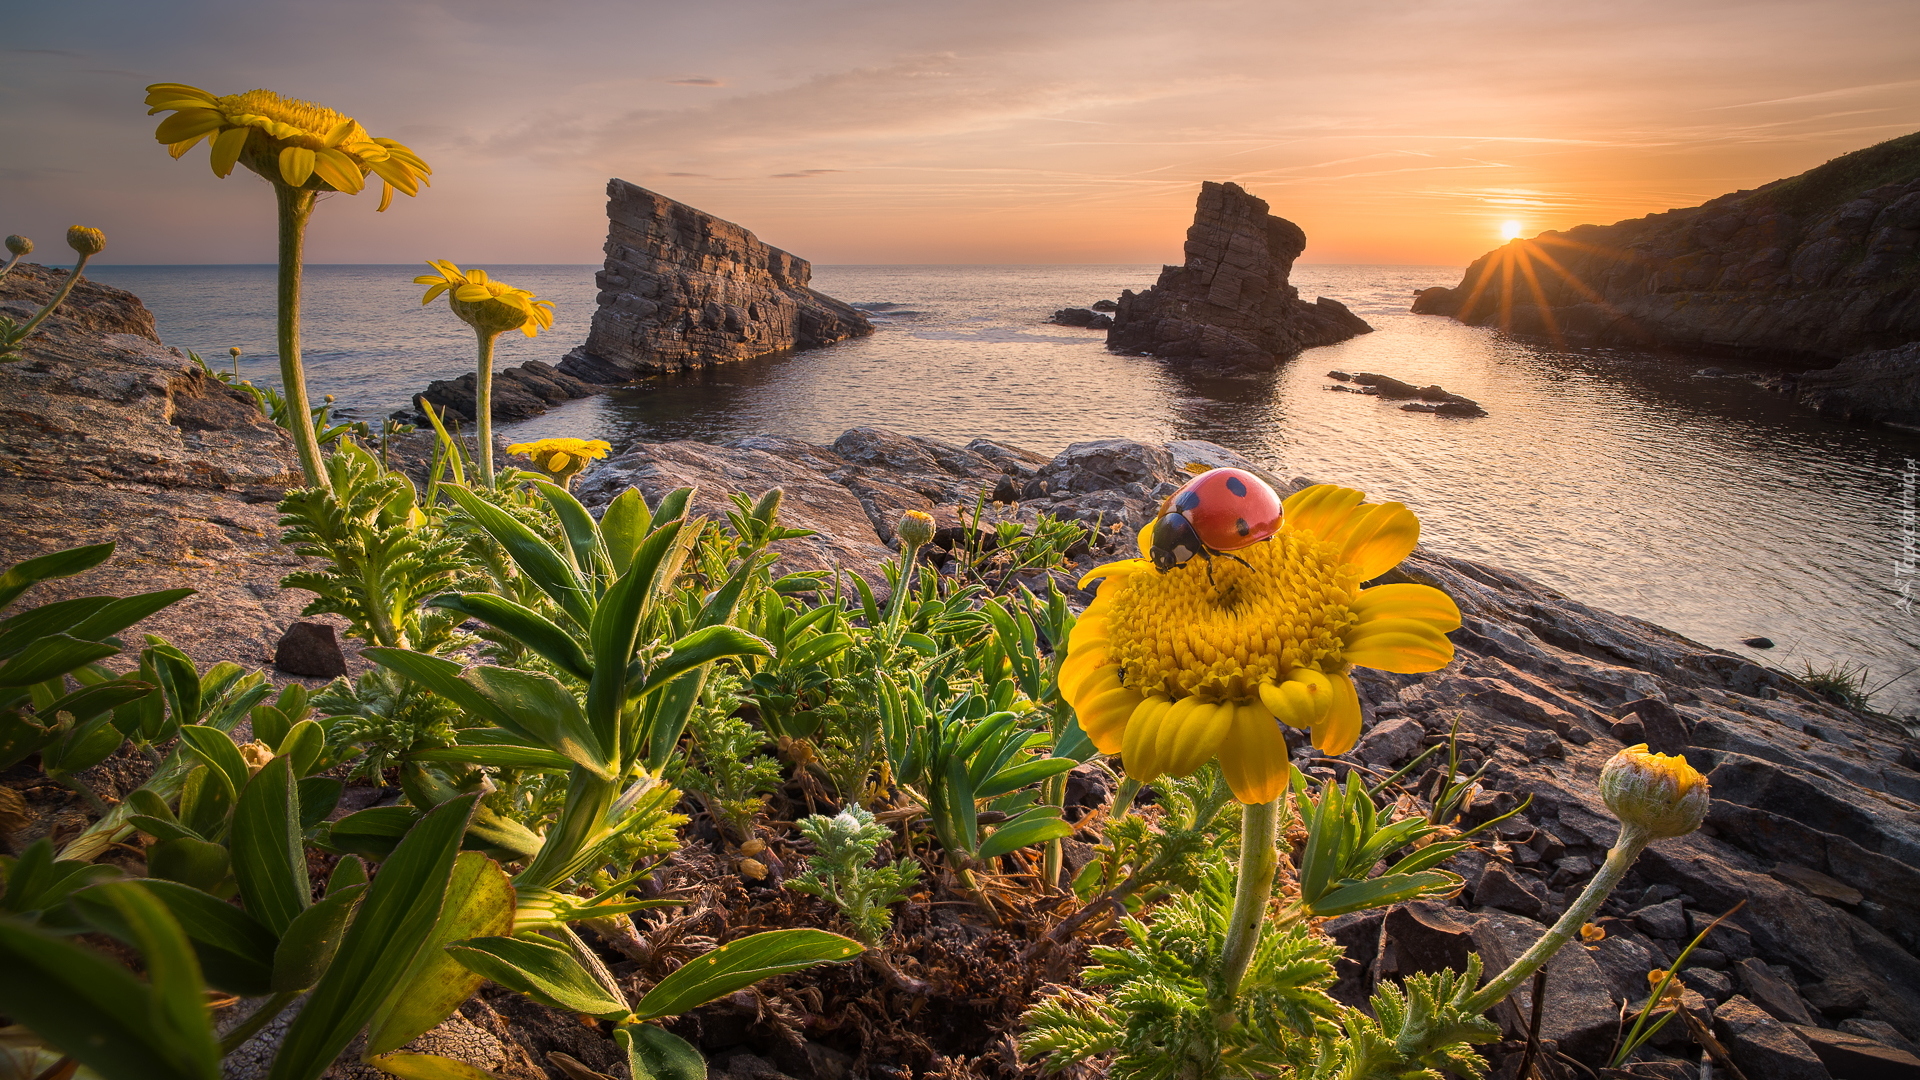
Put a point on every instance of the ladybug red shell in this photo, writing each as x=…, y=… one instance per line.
x=1218, y=512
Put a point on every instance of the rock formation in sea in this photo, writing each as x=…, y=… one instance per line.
x=1230, y=303
x=519, y=392
x=1875, y=387
x=1818, y=266
x=683, y=288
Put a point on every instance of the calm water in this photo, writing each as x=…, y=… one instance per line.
x=1706, y=505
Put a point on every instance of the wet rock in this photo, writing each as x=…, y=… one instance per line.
x=1763, y=1046
x=1873, y=387
x=1770, y=992
x=1858, y=1057
x=1074, y=316
x=519, y=392
x=310, y=649
x=1230, y=302
x=683, y=288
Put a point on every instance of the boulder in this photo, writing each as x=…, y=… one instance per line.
x=1104, y=465
x=1580, y=1012
x=683, y=289
x=1858, y=1057
x=310, y=649
x=518, y=392
x=1390, y=742
x=1230, y=303
x=1073, y=316
x=1763, y=1046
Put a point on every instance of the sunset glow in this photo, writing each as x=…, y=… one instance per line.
x=1511, y=230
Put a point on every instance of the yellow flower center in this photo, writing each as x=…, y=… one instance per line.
x=1179, y=634
x=290, y=120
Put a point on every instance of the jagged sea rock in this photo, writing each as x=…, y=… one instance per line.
x=683, y=288
x=1875, y=387
x=1818, y=266
x=519, y=392
x=1230, y=303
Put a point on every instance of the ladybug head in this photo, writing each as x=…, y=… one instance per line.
x=1174, y=542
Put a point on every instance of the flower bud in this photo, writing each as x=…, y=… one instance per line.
x=20, y=246
x=1660, y=793
x=234, y=352
x=86, y=241
x=256, y=754
x=915, y=528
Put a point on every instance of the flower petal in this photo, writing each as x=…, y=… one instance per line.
x=1319, y=510
x=188, y=123
x=1403, y=646
x=1379, y=537
x=1253, y=755
x=296, y=165
x=1336, y=734
x=1300, y=700
x=184, y=145
x=1114, y=571
x=338, y=170
x=226, y=150
x=1144, y=730
x=433, y=292
x=1408, y=601
x=1198, y=738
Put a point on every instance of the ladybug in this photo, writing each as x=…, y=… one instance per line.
x=1216, y=513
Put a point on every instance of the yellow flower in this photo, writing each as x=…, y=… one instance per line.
x=1660, y=793
x=561, y=458
x=915, y=529
x=88, y=242
x=1171, y=669
x=491, y=307
x=295, y=142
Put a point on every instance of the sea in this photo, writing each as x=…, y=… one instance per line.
x=1671, y=488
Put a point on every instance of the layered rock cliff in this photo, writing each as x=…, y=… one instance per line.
x=683, y=288
x=1230, y=302
x=1819, y=266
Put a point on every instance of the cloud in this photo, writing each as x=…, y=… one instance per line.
x=803, y=173
x=698, y=80
x=1825, y=95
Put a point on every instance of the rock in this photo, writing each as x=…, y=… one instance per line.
x=1104, y=305
x=518, y=392
x=1580, y=1012
x=1663, y=730
x=1708, y=983
x=1545, y=744
x=1073, y=316
x=1857, y=1057
x=1100, y=322
x=1341, y=375
x=1763, y=1046
x=1770, y=992
x=1837, y=996
x=1230, y=303
x=683, y=289
x=310, y=649
x=1104, y=465
x=1630, y=731
x=1498, y=887
x=1873, y=387
x=1668, y=921
x=1814, y=266
x=1879, y=1031
x=1815, y=883
x=1423, y=935
x=1390, y=742
x=1757, y=642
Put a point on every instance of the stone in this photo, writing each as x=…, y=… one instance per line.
x=1757, y=642
x=1857, y=1057
x=1073, y=316
x=1665, y=730
x=1580, y=1012
x=1770, y=992
x=1230, y=302
x=1545, y=744
x=1881, y=386
x=1104, y=305
x=1667, y=920
x=1423, y=935
x=1100, y=322
x=1763, y=1046
x=1708, y=983
x=1879, y=1031
x=1499, y=887
x=683, y=289
x=518, y=393
x=1103, y=465
x=1815, y=883
x=1630, y=731
x=1812, y=266
x=310, y=649
x=1390, y=742
x=1837, y=996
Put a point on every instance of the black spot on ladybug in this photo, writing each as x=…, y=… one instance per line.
x=1187, y=501
x=1237, y=486
x=1240, y=524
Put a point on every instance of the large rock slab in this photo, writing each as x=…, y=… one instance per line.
x=1875, y=387
x=1230, y=303
x=683, y=288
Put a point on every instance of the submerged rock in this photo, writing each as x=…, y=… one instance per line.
x=683, y=288
x=1230, y=302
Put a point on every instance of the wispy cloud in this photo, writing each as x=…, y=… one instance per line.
x=1826, y=95
x=697, y=81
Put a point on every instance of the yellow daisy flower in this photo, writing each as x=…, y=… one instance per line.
x=561, y=459
x=486, y=305
x=296, y=142
x=1171, y=669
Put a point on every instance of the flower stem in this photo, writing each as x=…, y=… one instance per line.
x=483, y=404
x=65, y=287
x=1633, y=839
x=1259, y=861
x=296, y=206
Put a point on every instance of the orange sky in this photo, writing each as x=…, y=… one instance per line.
x=968, y=131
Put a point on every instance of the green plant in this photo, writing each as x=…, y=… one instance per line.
x=383, y=557
x=838, y=872
x=1842, y=683
x=84, y=241
x=725, y=765
x=1663, y=999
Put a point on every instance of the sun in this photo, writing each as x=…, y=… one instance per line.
x=1511, y=230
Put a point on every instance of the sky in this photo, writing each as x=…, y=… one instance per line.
x=963, y=131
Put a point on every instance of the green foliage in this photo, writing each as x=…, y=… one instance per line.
x=385, y=718
x=383, y=558
x=1841, y=683
x=725, y=766
x=838, y=871
x=1141, y=859
x=1346, y=838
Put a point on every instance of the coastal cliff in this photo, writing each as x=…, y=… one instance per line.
x=1230, y=302
x=683, y=288
x=1818, y=266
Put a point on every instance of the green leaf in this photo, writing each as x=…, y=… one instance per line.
x=1427, y=857
x=304, y=743
x=235, y=951
x=22, y=575
x=542, y=970
x=528, y=627
x=411, y=1066
x=37, y=883
x=397, y=914
x=216, y=748
x=313, y=937
x=583, y=537
x=443, y=678
x=1020, y=776
x=544, y=566
x=498, y=755
x=818, y=649
x=179, y=683
x=623, y=525
x=51, y=657
x=124, y=612
x=348, y=872
x=654, y=1053
x=537, y=704
x=269, y=725
x=616, y=626
x=206, y=799
x=480, y=902
x=703, y=647
x=318, y=796
x=19, y=631
x=739, y=964
x=269, y=859
x=199, y=864
x=93, y=1009
x=1383, y=891
x=82, y=747
x=373, y=832
x=1029, y=829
